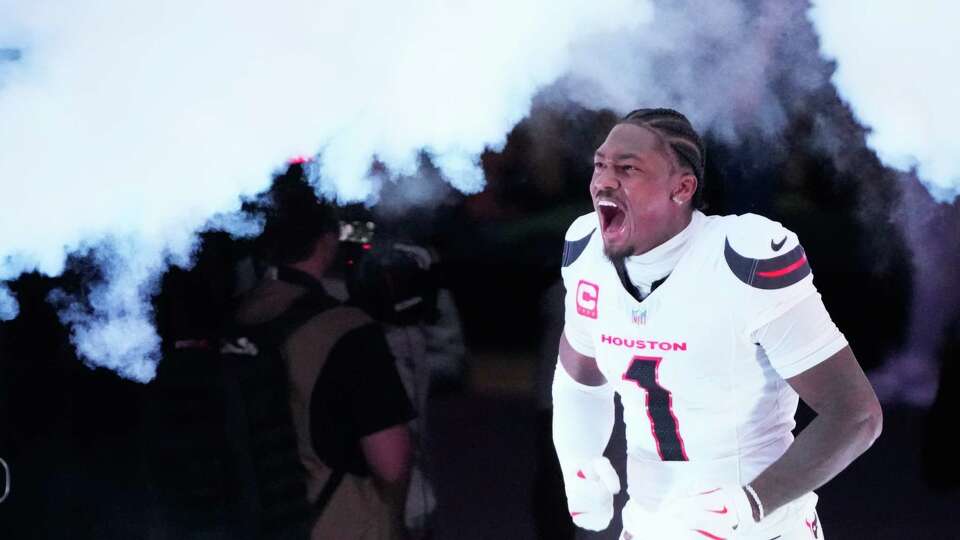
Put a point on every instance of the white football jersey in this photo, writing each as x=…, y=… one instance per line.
x=703, y=404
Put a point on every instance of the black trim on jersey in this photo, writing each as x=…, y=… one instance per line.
x=657, y=283
x=776, y=273
x=625, y=281
x=628, y=285
x=573, y=249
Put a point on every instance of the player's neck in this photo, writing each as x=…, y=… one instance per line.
x=673, y=237
x=655, y=264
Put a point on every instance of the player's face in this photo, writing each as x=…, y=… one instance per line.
x=633, y=181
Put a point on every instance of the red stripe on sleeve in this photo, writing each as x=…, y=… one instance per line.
x=786, y=270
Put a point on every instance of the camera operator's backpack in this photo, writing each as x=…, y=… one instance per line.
x=219, y=439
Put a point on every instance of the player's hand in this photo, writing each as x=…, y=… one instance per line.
x=590, y=490
x=722, y=512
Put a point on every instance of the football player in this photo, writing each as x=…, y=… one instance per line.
x=710, y=329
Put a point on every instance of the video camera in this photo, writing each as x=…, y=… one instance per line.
x=394, y=282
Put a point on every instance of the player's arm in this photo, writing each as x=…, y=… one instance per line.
x=582, y=398
x=808, y=350
x=582, y=407
x=848, y=420
x=786, y=318
x=583, y=369
x=583, y=419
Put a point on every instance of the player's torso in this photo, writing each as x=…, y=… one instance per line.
x=686, y=375
x=703, y=405
x=667, y=358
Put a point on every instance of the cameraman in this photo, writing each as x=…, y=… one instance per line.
x=349, y=406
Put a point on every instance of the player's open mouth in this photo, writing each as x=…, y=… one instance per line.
x=612, y=217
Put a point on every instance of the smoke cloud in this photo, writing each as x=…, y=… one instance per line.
x=893, y=67
x=933, y=231
x=734, y=67
x=127, y=125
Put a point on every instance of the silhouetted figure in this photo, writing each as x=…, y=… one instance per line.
x=218, y=437
x=349, y=406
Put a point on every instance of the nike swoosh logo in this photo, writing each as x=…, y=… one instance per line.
x=782, y=270
x=721, y=511
x=575, y=514
x=777, y=245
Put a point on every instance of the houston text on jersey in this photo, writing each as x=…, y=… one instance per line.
x=634, y=343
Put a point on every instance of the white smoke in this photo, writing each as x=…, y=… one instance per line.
x=896, y=67
x=734, y=67
x=932, y=231
x=126, y=125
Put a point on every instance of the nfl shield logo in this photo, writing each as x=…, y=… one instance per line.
x=639, y=316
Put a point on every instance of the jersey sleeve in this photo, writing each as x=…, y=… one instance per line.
x=769, y=269
x=580, y=293
x=801, y=338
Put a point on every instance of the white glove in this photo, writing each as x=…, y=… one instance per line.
x=590, y=490
x=721, y=512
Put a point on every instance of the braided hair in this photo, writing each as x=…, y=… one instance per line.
x=675, y=130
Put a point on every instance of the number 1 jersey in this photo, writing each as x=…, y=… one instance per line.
x=704, y=405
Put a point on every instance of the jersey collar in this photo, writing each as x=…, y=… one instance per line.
x=654, y=265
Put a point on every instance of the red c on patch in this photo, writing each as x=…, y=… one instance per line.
x=587, y=295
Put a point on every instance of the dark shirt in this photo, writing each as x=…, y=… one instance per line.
x=357, y=393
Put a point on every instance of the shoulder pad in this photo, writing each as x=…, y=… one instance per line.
x=763, y=253
x=577, y=237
